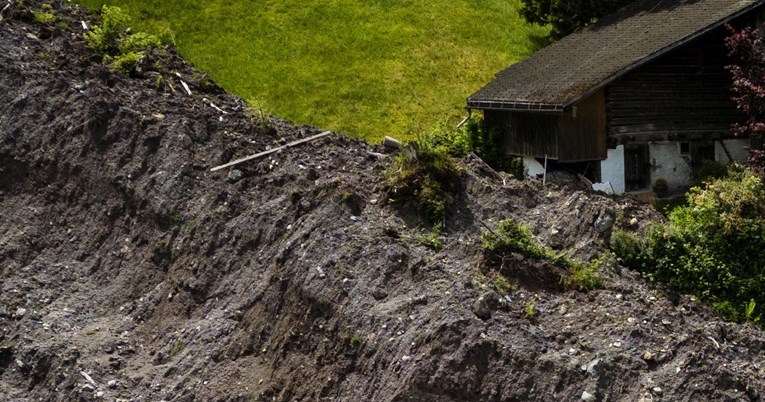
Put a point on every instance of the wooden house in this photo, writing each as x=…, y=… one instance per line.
x=643, y=94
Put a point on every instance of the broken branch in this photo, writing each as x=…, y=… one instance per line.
x=270, y=151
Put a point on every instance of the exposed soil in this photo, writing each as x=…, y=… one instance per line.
x=129, y=271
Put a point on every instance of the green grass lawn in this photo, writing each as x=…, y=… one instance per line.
x=366, y=68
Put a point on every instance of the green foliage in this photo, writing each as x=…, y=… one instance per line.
x=709, y=170
x=122, y=50
x=433, y=239
x=749, y=312
x=501, y=284
x=351, y=340
x=259, y=114
x=446, y=138
x=667, y=205
x=530, y=311
x=107, y=36
x=124, y=62
x=427, y=176
x=627, y=248
x=487, y=141
x=44, y=17
x=714, y=247
x=587, y=277
x=512, y=237
x=369, y=69
x=566, y=16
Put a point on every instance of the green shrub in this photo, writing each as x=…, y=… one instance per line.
x=627, y=248
x=44, y=17
x=125, y=62
x=427, y=176
x=121, y=49
x=513, y=237
x=587, y=277
x=714, y=247
x=501, y=284
x=488, y=142
x=433, y=239
x=709, y=170
x=530, y=311
x=445, y=138
x=106, y=37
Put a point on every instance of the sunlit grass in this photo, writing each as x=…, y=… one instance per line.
x=366, y=68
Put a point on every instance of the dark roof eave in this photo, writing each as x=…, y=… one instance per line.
x=517, y=106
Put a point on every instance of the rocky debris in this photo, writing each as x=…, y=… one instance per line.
x=297, y=280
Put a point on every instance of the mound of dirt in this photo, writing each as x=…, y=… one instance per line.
x=130, y=272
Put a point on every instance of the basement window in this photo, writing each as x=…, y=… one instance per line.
x=685, y=148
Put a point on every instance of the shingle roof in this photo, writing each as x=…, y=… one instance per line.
x=585, y=61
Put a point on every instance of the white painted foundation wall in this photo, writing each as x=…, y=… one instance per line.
x=612, y=172
x=666, y=162
x=532, y=168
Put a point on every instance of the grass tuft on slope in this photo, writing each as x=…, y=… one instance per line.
x=366, y=68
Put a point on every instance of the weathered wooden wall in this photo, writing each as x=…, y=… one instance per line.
x=682, y=96
x=583, y=137
x=563, y=137
x=529, y=134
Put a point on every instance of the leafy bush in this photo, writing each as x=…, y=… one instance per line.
x=427, y=176
x=445, y=138
x=627, y=248
x=433, y=239
x=44, y=17
x=587, y=277
x=714, y=247
x=709, y=170
x=121, y=49
x=107, y=36
x=513, y=237
x=566, y=16
x=487, y=141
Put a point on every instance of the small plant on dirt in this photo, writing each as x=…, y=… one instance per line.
x=501, y=284
x=178, y=346
x=433, y=239
x=511, y=237
x=587, y=277
x=428, y=177
x=530, y=311
x=121, y=49
x=351, y=340
x=749, y=312
x=159, y=82
x=260, y=115
x=44, y=17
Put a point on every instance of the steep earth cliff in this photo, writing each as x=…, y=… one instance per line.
x=130, y=272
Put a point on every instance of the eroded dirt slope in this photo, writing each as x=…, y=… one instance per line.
x=129, y=271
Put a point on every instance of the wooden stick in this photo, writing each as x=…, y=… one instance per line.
x=270, y=151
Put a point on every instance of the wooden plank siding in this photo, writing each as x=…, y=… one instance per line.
x=683, y=96
x=583, y=138
x=563, y=137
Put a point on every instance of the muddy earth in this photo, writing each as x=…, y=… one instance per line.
x=130, y=272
